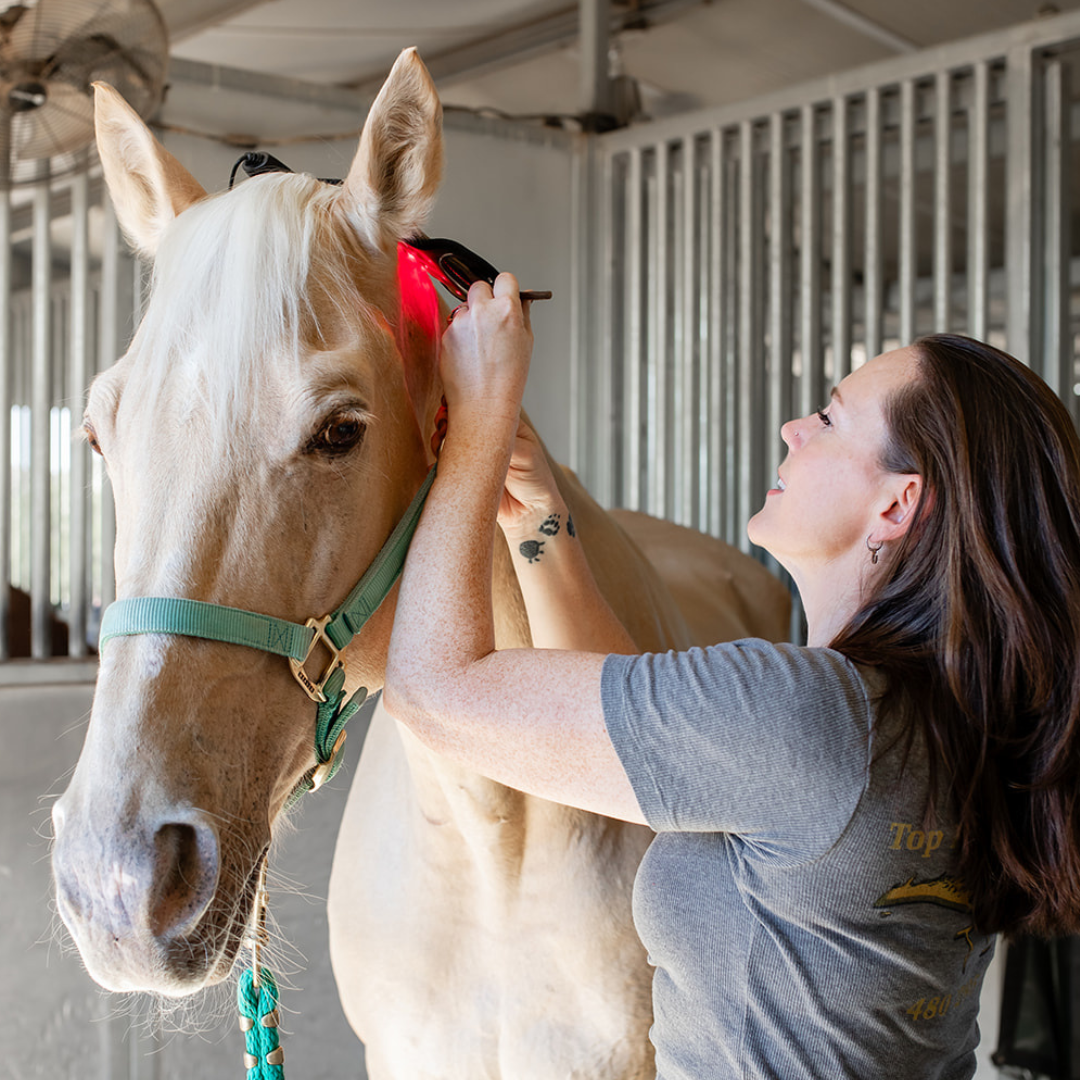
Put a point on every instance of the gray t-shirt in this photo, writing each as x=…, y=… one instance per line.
x=802, y=921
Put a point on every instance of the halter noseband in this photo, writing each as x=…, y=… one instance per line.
x=296, y=641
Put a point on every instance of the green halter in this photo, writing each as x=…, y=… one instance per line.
x=215, y=622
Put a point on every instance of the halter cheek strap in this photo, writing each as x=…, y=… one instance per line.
x=295, y=641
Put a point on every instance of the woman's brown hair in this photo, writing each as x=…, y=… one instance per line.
x=976, y=624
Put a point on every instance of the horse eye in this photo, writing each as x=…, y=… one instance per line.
x=91, y=438
x=338, y=436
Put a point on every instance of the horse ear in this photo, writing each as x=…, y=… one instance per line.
x=392, y=182
x=148, y=186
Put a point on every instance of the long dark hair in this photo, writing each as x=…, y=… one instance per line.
x=976, y=624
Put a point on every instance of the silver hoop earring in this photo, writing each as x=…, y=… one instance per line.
x=874, y=550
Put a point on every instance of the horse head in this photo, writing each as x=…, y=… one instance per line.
x=266, y=429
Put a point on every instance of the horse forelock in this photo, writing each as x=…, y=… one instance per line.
x=246, y=283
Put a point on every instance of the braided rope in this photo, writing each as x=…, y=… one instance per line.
x=259, y=1019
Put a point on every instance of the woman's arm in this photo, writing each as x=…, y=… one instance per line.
x=566, y=608
x=531, y=719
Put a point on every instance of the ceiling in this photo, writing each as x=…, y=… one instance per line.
x=522, y=56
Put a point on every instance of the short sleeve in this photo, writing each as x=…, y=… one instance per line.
x=768, y=742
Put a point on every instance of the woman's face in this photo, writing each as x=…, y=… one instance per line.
x=831, y=488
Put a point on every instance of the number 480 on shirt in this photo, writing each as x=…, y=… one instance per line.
x=928, y=1008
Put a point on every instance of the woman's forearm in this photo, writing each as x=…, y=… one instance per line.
x=565, y=607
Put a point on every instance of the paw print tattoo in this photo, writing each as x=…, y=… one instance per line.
x=550, y=525
x=532, y=549
x=570, y=525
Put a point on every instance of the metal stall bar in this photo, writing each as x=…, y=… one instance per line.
x=604, y=449
x=730, y=300
x=687, y=292
x=779, y=393
x=907, y=246
x=108, y=351
x=658, y=324
x=749, y=467
x=942, y=202
x=1023, y=182
x=873, y=291
x=79, y=378
x=841, y=240
x=705, y=418
x=812, y=381
x=40, y=421
x=635, y=341
x=1057, y=337
x=7, y=379
x=978, y=254
x=717, y=485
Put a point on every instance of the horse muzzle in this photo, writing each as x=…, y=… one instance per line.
x=139, y=899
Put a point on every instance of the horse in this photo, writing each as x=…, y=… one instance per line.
x=268, y=426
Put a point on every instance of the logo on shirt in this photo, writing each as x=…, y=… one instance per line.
x=944, y=891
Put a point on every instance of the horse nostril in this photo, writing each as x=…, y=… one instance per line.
x=185, y=874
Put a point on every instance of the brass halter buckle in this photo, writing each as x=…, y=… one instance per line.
x=314, y=688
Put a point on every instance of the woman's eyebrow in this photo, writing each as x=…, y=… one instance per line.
x=835, y=393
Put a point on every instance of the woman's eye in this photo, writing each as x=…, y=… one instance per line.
x=340, y=435
x=824, y=418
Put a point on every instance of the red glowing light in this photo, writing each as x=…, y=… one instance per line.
x=419, y=301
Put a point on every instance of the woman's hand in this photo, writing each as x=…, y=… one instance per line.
x=531, y=494
x=485, y=353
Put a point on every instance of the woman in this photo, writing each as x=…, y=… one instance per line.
x=842, y=828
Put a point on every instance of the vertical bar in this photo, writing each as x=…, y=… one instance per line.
x=40, y=415
x=718, y=191
x=730, y=300
x=108, y=352
x=658, y=321
x=80, y=375
x=942, y=202
x=841, y=241
x=978, y=256
x=1057, y=350
x=907, y=212
x=605, y=408
x=580, y=321
x=812, y=384
x=1023, y=185
x=873, y=291
x=7, y=378
x=706, y=418
x=635, y=341
x=750, y=382
x=674, y=297
x=686, y=415
x=780, y=322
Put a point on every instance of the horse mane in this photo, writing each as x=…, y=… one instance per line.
x=241, y=277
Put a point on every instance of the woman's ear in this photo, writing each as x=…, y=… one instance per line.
x=906, y=491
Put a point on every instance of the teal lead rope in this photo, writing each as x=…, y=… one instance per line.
x=257, y=1000
x=264, y=1059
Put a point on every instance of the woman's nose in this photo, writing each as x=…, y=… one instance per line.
x=789, y=432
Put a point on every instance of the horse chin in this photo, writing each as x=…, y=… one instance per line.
x=208, y=955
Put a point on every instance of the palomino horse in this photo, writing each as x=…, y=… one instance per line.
x=268, y=427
